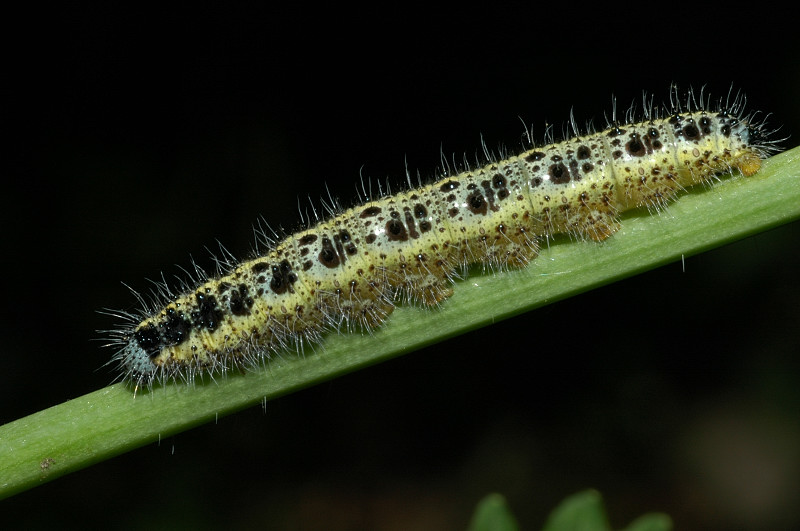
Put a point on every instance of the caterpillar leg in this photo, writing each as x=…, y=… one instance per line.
x=364, y=303
x=514, y=250
x=749, y=163
x=430, y=291
x=596, y=217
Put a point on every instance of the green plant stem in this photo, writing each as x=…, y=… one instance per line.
x=108, y=422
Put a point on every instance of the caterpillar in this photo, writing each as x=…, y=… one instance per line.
x=350, y=269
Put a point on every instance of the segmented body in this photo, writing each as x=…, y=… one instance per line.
x=352, y=267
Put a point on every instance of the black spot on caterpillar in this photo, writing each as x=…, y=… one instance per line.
x=349, y=270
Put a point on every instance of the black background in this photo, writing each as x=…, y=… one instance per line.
x=138, y=138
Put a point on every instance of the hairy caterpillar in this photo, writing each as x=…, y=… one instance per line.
x=348, y=270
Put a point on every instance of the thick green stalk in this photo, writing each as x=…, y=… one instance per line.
x=100, y=425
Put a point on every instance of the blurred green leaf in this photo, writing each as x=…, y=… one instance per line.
x=579, y=512
x=493, y=514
